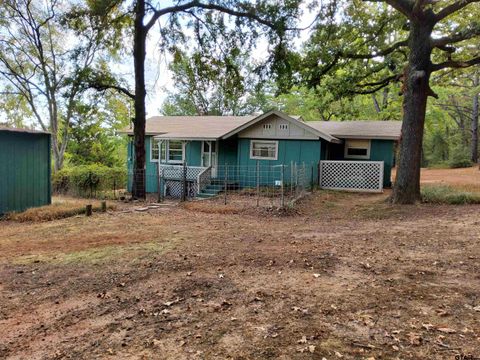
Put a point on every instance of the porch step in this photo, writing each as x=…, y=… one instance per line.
x=215, y=188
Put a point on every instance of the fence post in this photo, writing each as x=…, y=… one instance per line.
x=159, y=183
x=320, y=174
x=225, y=184
x=184, y=181
x=282, y=187
x=258, y=183
x=312, y=181
x=291, y=178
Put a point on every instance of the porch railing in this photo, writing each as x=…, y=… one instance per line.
x=204, y=179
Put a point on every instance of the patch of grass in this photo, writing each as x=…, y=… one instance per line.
x=445, y=194
x=59, y=209
x=99, y=254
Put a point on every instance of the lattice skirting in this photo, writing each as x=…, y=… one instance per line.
x=352, y=175
x=174, y=189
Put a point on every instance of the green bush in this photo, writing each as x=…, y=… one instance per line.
x=459, y=158
x=89, y=180
x=444, y=194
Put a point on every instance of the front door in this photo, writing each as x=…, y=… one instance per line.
x=209, y=156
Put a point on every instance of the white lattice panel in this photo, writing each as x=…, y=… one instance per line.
x=173, y=189
x=352, y=175
x=175, y=172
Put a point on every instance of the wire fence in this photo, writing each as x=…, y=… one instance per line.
x=254, y=184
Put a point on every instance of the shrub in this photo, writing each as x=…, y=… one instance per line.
x=459, y=158
x=89, y=180
x=444, y=194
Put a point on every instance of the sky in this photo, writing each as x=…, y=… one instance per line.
x=159, y=78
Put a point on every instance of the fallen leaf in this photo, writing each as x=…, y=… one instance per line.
x=428, y=327
x=316, y=275
x=415, y=339
x=303, y=340
x=311, y=348
x=337, y=354
x=446, y=330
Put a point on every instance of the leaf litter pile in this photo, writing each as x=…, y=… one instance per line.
x=346, y=277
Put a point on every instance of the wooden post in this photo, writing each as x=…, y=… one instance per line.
x=104, y=206
x=88, y=210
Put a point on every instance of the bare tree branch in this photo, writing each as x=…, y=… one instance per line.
x=456, y=64
x=452, y=8
x=383, y=52
x=464, y=34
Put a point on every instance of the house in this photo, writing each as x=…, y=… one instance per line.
x=24, y=169
x=271, y=139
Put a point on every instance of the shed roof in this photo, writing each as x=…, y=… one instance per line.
x=26, y=131
x=388, y=130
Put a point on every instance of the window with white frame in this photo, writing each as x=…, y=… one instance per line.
x=267, y=126
x=175, y=151
x=283, y=127
x=357, y=149
x=168, y=151
x=263, y=150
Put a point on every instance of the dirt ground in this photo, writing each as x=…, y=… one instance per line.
x=344, y=276
x=466, y=178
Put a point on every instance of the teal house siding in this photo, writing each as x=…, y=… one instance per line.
x=299, y=152
x=193, y=153
x=383, y=150
x=25, y=169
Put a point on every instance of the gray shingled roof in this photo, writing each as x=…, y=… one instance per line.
x=193, y=127
x=360, y=129
x=215, y=127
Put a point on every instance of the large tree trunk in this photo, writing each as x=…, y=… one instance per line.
x=416, y=91
x=476, y=83
x=140, y=38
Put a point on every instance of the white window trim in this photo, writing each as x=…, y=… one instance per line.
x=261, y=157
x=152, y=144
x=362, y=157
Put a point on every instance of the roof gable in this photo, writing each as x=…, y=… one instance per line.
x=315, y=133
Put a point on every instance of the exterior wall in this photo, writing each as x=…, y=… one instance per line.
x=380, y=150
x=193, y=153
x=275, y=132
x=300, y=152
x=25, y=168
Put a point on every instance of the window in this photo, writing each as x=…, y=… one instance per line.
x=175, y=151
x=357, y=149
x=263, y=150
x=267, y=126
x=283, y=127
x=169, y=151
x=154, y=149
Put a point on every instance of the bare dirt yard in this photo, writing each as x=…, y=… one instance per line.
x=343, y=276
